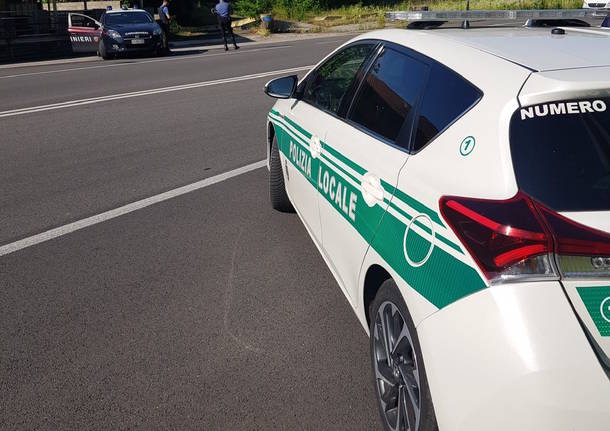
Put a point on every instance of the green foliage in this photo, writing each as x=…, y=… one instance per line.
x=293, y=9
x=196, y=12
x=253, y=7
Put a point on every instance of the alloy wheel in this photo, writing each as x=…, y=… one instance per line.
x=396, y=370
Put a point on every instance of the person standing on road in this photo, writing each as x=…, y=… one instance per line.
x=223, y=11
x=164, y=20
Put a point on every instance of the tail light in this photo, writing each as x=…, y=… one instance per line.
x=580, y=250
x=519, y=238
x=508, y=239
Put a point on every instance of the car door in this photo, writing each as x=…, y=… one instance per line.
x=85, y=32
x=319, y=98
x=363, y=156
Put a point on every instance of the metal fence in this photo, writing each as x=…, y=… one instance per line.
x=35, y=34
x=15, y=24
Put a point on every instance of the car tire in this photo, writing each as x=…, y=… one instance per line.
x=103, y=53
x=401, y=386
x=161, y=52
x=277, y=188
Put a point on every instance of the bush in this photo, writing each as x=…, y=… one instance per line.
x=253, y=8
x=294, y=9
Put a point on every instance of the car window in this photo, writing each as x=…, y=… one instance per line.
x=446, y=98
x=330, y=83
x=389, y=93
x=561, y=153
x=81, y=21
x=127, y=18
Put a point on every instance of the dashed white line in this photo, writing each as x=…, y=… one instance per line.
x=81, y=102
x=126, y=209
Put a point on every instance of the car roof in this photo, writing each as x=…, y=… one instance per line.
x=123, y=11
x=532, y=48
x=538, y=48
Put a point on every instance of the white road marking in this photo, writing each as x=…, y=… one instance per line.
x=126, y=209
x=157, y=60
x=81, y=102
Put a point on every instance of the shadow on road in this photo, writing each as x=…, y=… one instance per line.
x=183, y=53
x=198, y=39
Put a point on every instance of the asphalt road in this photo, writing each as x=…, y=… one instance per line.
x=205, y=311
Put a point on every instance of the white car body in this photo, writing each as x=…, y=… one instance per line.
x=587, y=4
x=522, y=355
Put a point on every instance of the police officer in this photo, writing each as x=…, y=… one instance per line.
x=223, y=11
x=164, y=19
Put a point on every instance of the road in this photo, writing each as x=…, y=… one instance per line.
x=185, y=308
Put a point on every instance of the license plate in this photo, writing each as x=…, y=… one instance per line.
x=137, y=41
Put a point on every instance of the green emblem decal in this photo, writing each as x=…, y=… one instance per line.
x=467, y=146
x=597, y=301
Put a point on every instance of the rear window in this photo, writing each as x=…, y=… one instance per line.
x=561, y=153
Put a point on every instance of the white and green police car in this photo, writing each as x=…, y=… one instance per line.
x=457, y=184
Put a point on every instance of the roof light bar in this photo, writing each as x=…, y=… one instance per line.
x=493, y=15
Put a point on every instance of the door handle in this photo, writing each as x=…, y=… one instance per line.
x=315, y=147
x=371, y=189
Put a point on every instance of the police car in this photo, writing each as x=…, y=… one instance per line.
x=457, y=183
x=129, y=31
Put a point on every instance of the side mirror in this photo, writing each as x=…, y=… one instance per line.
x=282, y=88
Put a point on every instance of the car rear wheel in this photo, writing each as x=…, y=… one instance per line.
x=401, y=386
x=277, y=188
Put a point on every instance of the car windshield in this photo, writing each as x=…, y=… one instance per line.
x=561, y=153
x=127, y=18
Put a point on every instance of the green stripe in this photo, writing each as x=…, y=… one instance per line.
x=333, y=152
x=336, y=165
x=285, y=138
x=413, y=203
x=290, y=123
x=450, y=243
x=427, y=229
x=343, y=159
x=367, y=218
x=296, y=126
x=442, y=280
x=342, y=170
x=289, y=132
x=593, y=298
